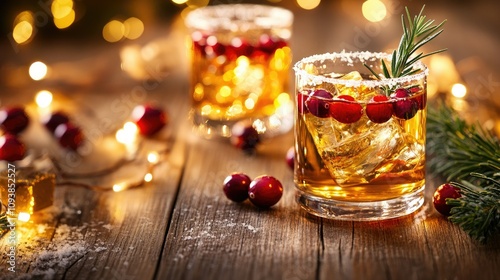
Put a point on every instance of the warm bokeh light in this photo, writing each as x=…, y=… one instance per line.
x=23, y=217
x=148, y=177
x=374, y=10
x=43, y=98
x=22, y=32
x=63, y=13
x=128, y=134
x=130, y=128
x=153, y=157
x=308, y=4
x=113, y=31
x=24, y=28
x=444, y=74
x=66, y=21
x=458, y=90
x=38, y=70
x=118, y=187
x=133, y=28
x=61, y=8
x=179, y=2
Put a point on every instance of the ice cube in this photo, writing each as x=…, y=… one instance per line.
x=359, y=93
x=322, y=130
x=355, y=157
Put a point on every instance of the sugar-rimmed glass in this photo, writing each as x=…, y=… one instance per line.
x=240, y=68
x=359, y=140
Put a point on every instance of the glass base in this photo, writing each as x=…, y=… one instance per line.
x=268, y=127
x=361, y=211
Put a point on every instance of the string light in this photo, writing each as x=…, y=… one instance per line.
x=43, y=98
x=23, y=217
x=153, y=157
x=128, y=134
x=458, y=90
x=118, y=187
x=148, y=177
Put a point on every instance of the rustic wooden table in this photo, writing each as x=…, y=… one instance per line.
x=180, y=225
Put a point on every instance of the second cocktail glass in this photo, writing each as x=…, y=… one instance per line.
x=240, y=68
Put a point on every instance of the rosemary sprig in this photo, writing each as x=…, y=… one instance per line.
x=467, y=153
x=416, y=33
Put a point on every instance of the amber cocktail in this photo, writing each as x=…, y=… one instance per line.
x=360, y=140
x=240, y=68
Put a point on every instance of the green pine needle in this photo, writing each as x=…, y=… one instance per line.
x=416, y=33
x=477, y=212
x=467, y=153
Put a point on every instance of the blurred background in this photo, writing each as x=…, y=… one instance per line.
x=103, y=43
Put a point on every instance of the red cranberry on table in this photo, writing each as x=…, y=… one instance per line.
x=244, y=136
x=346, y=109
x=11, y=148
x=52, y=121
x=149, y=119
x=236, y=187
x=265, y=191
x=69, y=136
x=441, y=194
x=13, y=120
x=404, y=107
x=379, y=109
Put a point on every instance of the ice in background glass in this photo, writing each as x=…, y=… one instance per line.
x=240, y=68
x=360, y=141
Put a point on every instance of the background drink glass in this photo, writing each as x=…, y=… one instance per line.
x=358, y=157
x=240, y=68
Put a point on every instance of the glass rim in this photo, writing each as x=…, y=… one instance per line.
x=216, y=17
x=363, y=57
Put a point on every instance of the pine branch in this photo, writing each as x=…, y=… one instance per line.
x=457, y=148
x=469, y=154
x=477, y=212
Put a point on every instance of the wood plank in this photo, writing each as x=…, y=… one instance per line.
x=423, y=245
x=107, y=235
x=211, y=237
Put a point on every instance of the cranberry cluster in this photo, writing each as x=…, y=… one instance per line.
x=263, y=191
x=13, y=120
x=208, y=46
x=345, y=109
x=66, y=132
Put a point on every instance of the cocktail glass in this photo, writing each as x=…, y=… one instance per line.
x=240, y=68
x=359, y=139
